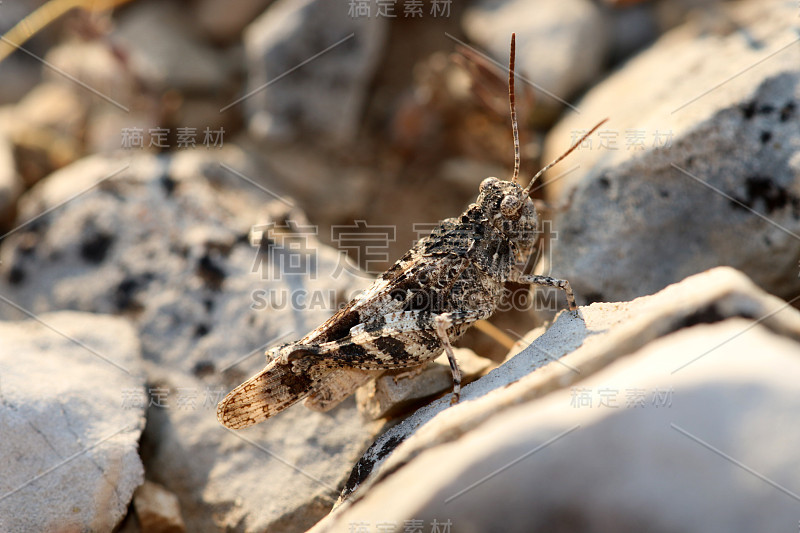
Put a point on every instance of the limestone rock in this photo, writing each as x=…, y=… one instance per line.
x=720, y=426
x=164, y=241
x=570, y=351
x=282, y=475
x=70, y=445
x=706, y=169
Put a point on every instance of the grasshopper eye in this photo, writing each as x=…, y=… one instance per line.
x=509, y=205
x=487, y=182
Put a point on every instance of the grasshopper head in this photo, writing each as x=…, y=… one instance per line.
x=508, y=208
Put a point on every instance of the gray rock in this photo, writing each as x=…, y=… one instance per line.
x=70, y=447
x=325, y=96
x=153, y=240
x=561, y=46
x=658, y=459
x=106, y=81
x=224, y=22
x=18, y=70
x=164, y=52
x=164, y=241
x=632, y=27
x=643, y=218
x=282, y=475
x=570, y=351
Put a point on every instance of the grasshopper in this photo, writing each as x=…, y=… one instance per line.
x=413, y=311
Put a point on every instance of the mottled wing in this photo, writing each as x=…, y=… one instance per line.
x=270, y=391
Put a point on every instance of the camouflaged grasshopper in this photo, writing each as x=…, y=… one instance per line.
x=413, y=311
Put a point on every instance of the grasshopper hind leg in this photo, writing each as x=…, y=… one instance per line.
x=341, y=383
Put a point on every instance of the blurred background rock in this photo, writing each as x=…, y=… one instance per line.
x=359, y=118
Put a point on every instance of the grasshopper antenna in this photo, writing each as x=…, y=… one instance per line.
x=562, y=156
x=514, y=127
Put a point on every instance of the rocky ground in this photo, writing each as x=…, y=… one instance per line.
x=186, y=183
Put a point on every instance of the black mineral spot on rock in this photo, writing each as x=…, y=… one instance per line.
x=125, y=291
x=212, y=274
x=16, y=275
x=762, y=190
x=39, y=225
x=389, y=446
x=125, y=294
x=201, y=330
x=765, y=137
x=95, y=247
x=765, y=109
x=603, y=182
x=167, y=183
x=748, y=109
x=364, y=466
x=663, y=193
x=360, y=472
x=208, y=304
x=787, y=111
x=203, y=368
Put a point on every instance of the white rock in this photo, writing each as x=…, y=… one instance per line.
x=643, y=218
x=282, y=475
x=70, y=445
x=569, y=351
x=709, y=448
x=165, y=241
